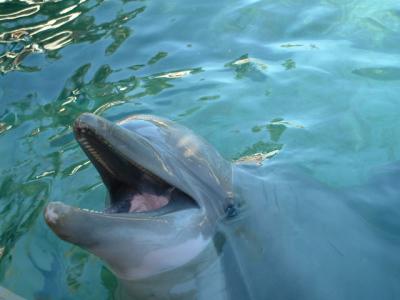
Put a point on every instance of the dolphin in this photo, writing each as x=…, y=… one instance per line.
x=167, y=189
x=181, y=222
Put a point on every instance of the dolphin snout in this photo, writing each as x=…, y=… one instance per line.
x=55, y=211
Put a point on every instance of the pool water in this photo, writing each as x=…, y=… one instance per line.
x=311, y=83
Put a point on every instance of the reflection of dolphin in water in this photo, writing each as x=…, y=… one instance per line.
x=183, y=223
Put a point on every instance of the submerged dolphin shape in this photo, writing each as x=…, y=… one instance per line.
x=183, y=223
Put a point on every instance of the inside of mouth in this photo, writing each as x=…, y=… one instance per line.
x=132, y=188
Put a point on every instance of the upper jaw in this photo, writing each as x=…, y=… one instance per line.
x=96, y=134
x=118, y=154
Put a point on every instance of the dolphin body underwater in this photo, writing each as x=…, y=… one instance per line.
x=181, y=222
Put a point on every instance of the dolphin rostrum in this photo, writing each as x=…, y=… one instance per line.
x=181, y=222
x=167, y=190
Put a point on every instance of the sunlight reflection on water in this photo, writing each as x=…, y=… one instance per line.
x=314, y=84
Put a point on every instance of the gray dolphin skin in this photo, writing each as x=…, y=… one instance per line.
x=168, y=189
x=181, y=222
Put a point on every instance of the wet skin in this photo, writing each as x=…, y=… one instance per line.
x=167, y=190
x=183, y=223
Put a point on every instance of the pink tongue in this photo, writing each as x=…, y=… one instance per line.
x=145, y=202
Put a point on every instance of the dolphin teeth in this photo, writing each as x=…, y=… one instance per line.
x=87, y=146
x=91, y=211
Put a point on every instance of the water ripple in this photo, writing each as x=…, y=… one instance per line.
x=43, y=37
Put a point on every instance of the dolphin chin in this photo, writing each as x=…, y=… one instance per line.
x=166, y=190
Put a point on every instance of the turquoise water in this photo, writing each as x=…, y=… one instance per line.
x=313, y=83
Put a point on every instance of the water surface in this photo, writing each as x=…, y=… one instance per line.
x=309, y=83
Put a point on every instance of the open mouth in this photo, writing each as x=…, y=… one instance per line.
x=132, y=188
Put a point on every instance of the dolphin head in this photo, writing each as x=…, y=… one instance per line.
x=167, y=188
